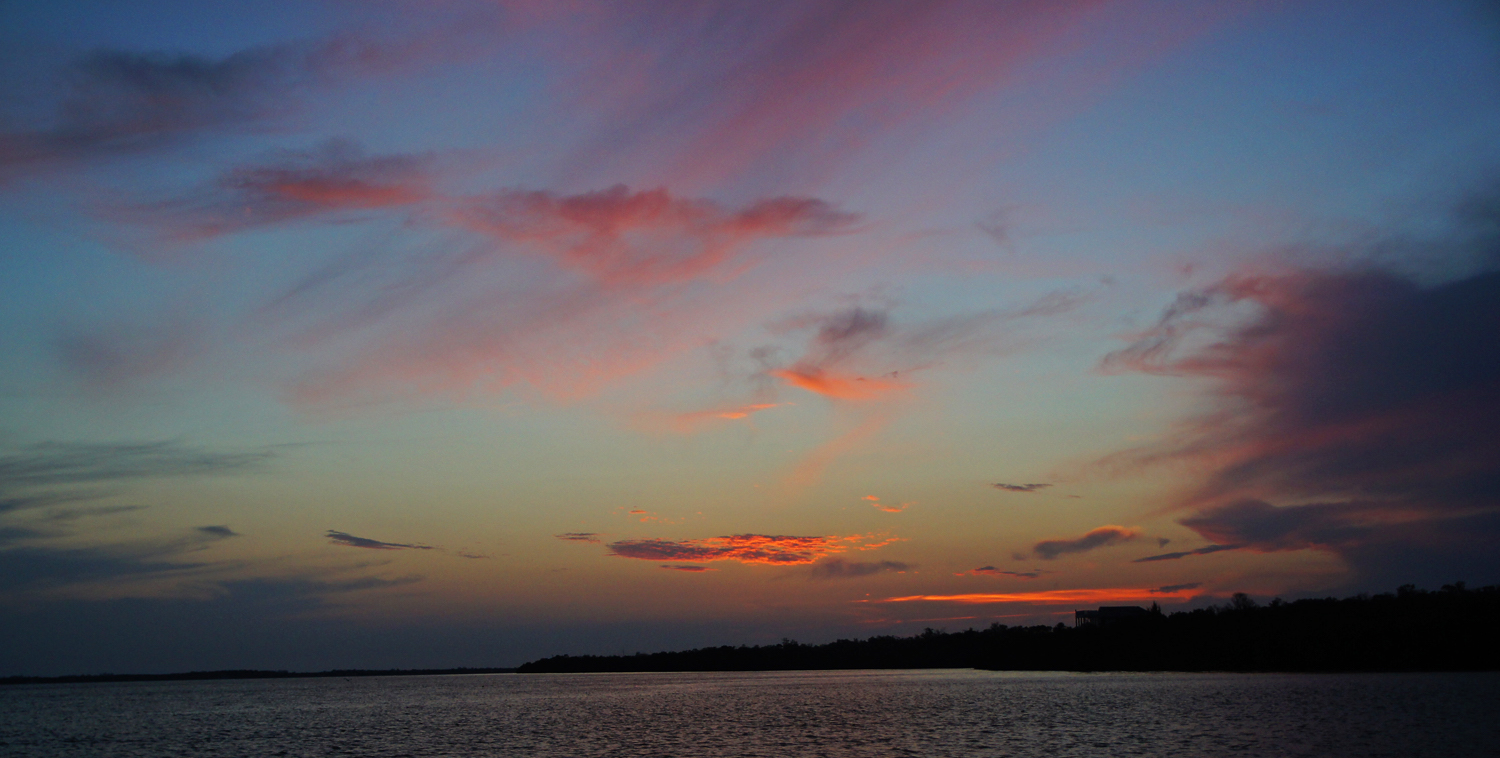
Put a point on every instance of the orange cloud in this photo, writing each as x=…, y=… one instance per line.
x=888, y=508
x=685, y=422
x=840, y=387
x=778, y=550
x=1050, y=597
x=745, y=411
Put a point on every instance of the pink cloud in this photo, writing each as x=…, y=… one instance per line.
x=796, y=88
x=333, y=177
x=626, y=237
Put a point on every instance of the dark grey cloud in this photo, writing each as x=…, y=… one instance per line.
x=1020, y=487
x=687, y=568
x=1170, y=588
x=32, y=567
x=342, y=538
x=992, y=571
x=1176, y=556
x=1356, y=410
x=9, y=534
x=29, y=567
x=37, y=481
x=1097, y=538
x=11, y=502
x=838, y=568
x=217, y=532
x=116, y=102
x=578, y=536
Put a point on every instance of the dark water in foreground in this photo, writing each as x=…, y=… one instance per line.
x=773, y=714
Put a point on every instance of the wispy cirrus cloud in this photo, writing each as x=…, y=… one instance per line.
x=781, y=89
x=1104, y=536
x=30, y=568
x=766, y=549
x=75, y=463
x=861, y=354
x=329, y=181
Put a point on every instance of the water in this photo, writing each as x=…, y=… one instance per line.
x=771, y=714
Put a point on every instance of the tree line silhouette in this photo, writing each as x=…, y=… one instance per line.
x=1452, y=629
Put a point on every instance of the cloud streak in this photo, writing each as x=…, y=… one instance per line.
x=838, y=568
x=992, y=571
x=624, y=237
x=1020, y=487
x=1104, y=536
x=1208, y=550
x=763, y=549
x=349, y=540
x=66, y=463
x=332, y=180
x=1171, y=589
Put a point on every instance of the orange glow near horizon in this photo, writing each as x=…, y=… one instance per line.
x=1048, y=597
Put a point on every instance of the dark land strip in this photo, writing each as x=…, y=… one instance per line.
x=1453, y=629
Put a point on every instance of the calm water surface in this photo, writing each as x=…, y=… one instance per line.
x=776, y=715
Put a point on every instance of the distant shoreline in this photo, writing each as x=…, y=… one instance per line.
x=195, y=676
x=1409, y=630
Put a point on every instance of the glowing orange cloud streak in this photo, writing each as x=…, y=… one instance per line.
x=776, y=550
x=838, y=387
x=1047, y=597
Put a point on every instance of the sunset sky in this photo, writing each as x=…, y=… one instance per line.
x=461, y=333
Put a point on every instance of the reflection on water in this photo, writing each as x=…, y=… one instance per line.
x=772, y=714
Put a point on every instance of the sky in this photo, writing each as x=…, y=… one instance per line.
x=423, y=334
